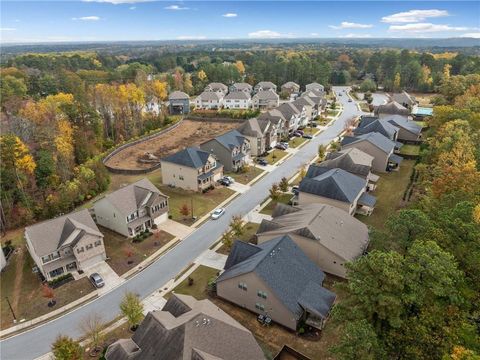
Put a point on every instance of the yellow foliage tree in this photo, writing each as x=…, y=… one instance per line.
x=159, y=89
x=476, y=214
x=446, y=71
x=201, y=75
x=240, y=67
x=397, y=81
x=426, y=75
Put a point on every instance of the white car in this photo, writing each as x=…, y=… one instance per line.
x=217, y=213
x=229, y=178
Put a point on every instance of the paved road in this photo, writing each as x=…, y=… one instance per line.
x=36, y=342
x=379, y=99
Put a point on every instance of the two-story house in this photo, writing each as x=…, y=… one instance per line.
x=191, y=169
x=311, y=109
x=370, y=124
x=290, y=88
x=265, y=100
x=265, y=86
x=237, y=100
x=242, y=87
x=219, y=88
x=315, y=86
x=292, y=115
x=232, y=149
x=65, y=244
x=132, y=209
x=209, y=100
x=278, y=124
x=179, y=103
x=261, y=133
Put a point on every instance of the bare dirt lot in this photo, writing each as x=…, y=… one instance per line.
x=188, y=133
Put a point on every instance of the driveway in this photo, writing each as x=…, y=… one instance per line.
x=179, y=257
x=176, y=229
x=240, y=188
x=212, y=259
x=109, y=276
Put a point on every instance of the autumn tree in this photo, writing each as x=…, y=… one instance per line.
x=236, y=224
x=65, y=348
x=227, y=239
x=275, y=192
x=132, y=308
x=283, y=184
x=92, y=330
x=240, y=67
x=322, y=150
x=48, y=293
x=184, y=210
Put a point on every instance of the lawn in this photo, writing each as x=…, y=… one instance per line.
x=423, y=124
x=296, y=142
x=245, y=177
x=312, y=130
x=124, y=255
x=275, y=155
x=284, y=199
x=364, y=107
x=389, y=193
x=249, y=231
x=198, y=289
x=24, y=290
x=412, y=150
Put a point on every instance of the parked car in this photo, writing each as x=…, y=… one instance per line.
x=297, y=134
x=262, y=162
x=229, y=178
x=295, y=190
x=339, y=94
x=217, y=213
x=281, y=147
x=307, y=136
x=284, y=143
x=97, y=280
x=300, y=132
x=349, y=100
x=224, y=182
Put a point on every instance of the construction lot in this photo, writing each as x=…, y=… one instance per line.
x=188, y=133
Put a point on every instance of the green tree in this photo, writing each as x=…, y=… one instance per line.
x=283, y=185
x=132, y=308
x=275, y=192
x=236, y=224
x=405, y=226
x=322, y=150
x=45, y=168
x=65, y=348
x=368, y=85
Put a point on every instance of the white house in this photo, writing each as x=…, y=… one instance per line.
x=237, y=100
x=209, y=100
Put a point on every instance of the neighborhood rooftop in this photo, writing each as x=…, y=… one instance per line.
x=191, y=157
x=375, y=138
x=352, y=160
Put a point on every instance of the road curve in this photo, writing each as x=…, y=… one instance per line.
x=36, y=342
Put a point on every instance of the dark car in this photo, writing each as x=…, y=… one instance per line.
x=307, y=136
x=300, y=132
x=262, y=162
x=97, y=280
x=295, y=190
x=280, y=147
x=297, y=134
x=224, y=182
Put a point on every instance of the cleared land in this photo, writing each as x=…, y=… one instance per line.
x=188, y=133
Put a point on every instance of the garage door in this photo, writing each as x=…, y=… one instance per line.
x=91, y=262
x=161, y=219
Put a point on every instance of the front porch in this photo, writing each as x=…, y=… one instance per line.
x=139, y=225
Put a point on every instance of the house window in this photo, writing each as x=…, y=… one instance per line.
x=89, y=246
x=259, y=306
x=262, y=294
x=180, y=177
x=56, y=272
x=98, y=243
x=80, y=250
x=242, y=286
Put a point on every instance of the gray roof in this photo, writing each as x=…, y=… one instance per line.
x=266, y=95
x=129, y=198
x=304, y=101
x=352, y=160
x=237, y=95
x=254, y=127
x=291, y=85
x=377, y=139
x=334, y=184
x=328, y=225
x=404, y=98
x=395, y=158
x=392, y=108
x=403, y=122
x=288, y=110
x=215, y=86
x=242, y=86
x=315, y=85
x=266, y=85
x=273, y=115
x=187, y=329
x=368, y=125
x=48, y=236
x=367, y=200
x=209, y=95
x=178, y=95
x=192, y=157
x=230, y=140
x=285, y=269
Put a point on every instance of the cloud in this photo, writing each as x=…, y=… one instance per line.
x=87, y=18
x=475, y=35
x=8, y=29
x=268, y=34
x=425, y=27
x=230, y=15
x=176, y=7
x=132, y=7
x=191, y=37
x=350, y=25
x=356, y=36
x=414, y=16
x=116, y=2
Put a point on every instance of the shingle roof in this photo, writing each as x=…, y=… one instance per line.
x=381, y=126
x=178, y=95
x=215, y=86
x=266, y=95
x=237, y=95
x=273, y=115
x=288, y=110
x=392, y=108
x=131, y=197
x=315, y=85
x=266, y=85
x=199, y=328
x=403, y=98
x=230, y=139
x=332, y=183
x=242, y=86
x=377, y=139
x=285, y=269
x=48, y=236
x=290, y=84
x=352, y=160
x=209, y=95
x=328, y=225
x=254, y=127
x=304, y=101
x=403, y=122
x=192, y=157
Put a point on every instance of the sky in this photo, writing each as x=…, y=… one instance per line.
x=131, y=20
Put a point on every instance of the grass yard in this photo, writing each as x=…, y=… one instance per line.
x=389, y=193
x=284, y=199
x=124, y=255
x=312, y=130
x=412, y=150
x=364, y=107
x=274, y=156
x=333, y=113
x=249, y=231
x=423, y=124
x=198, y=289
x=246, y=177
x=24, y=290
x=296, y=142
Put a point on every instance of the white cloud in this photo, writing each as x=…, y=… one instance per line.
x=414, y=16
x=116, y=2
x=230, y=15
x=176, y=7
x=87, y=18
x=350, y=25
x=475, y=35
x=425, y=27
x=132, y=7
x=191, y=37
x=268, y=34
x=356, y=36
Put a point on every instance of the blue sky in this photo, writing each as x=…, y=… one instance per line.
x=105, y=20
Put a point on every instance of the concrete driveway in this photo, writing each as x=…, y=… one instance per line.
x=176, y=229
x=212, y=259
x=109, y=276
x=240, y=188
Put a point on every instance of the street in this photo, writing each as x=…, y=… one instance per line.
x=37, y=341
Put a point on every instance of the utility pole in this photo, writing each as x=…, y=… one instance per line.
x=11, y=309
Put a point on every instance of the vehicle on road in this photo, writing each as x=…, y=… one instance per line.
x=97, y=280
x=339, y=94
x=229, y=178
x=280, y=147
x=284, y=143
x=262, y=162
x=297, y=134
x=217, y=213
x=307, y=136
x=224, y=182
x=349, y=100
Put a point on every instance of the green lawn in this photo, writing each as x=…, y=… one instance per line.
x=284, y=199
x=389, y=193
x=275, y=155
x=296, y=142
x=249, y=231
x=198, y=289
x=410, y=150
x=246, y=177
x=421, y=123
x=311, y=130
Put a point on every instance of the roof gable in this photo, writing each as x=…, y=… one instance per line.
x=192, y=157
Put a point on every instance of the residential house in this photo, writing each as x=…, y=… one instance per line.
x=311, y=108
x=245, y=87
x=187, y=328
x=237, y=100
x=353, y=160
x=265, y=100
x=292, y=114
x=303, y=119
x=209, y=100
x=335, y=187
x=390, y=108
x=404, y=99
x=261, y=134
x=315, y=86
x=192, y=169
x=317, y=97
x=278, y=122
x=276, y=279
x=66, y=244
x=370, y=124
x=179, y=103
x=232, y=149
x=408, y=131
x=265, y=86
x=329, y=236
x=290, y=88
x=288, y=353
x=376, y=145
x=219, y=88
x=132, y=209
